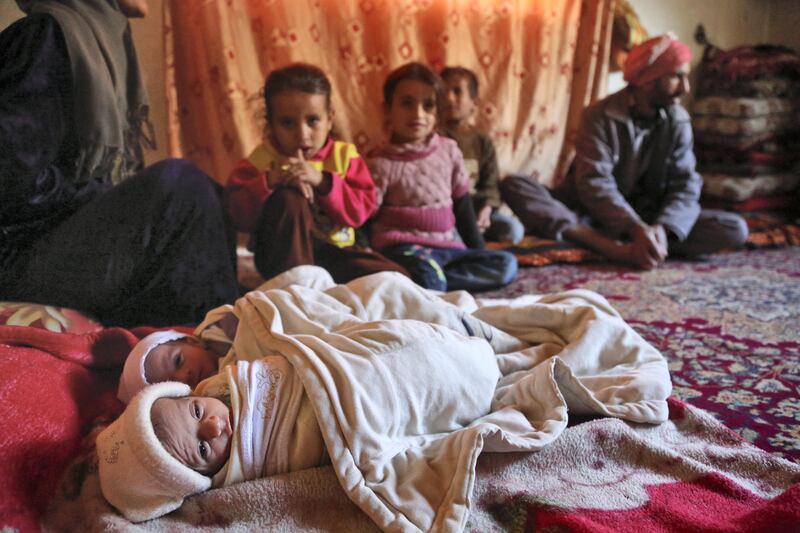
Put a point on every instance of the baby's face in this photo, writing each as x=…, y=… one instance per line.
x=196, y=430
x=187, y=360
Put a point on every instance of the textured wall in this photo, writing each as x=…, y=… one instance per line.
x=784, y=23
x=728, y=23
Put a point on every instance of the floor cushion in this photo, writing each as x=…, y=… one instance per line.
x=58, y=319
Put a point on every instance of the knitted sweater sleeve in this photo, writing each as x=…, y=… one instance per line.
x=460, y=177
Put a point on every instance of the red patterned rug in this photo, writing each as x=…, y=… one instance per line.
x=729, y=328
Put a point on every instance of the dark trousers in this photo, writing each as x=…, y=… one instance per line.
x=284, y=239
x=546, y=215
x=154, y=250
x=451, y=269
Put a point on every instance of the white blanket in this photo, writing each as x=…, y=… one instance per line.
x=265, y=399
x=406, y=406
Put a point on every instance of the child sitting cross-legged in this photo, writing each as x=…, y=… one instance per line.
x=480, y=157
x=426, y=221
x=301, y=194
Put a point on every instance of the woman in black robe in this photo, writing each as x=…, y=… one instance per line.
x=82, y=223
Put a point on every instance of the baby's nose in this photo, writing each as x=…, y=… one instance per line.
x=212, y=427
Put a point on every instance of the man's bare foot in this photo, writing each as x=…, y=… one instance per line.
x=612, y=249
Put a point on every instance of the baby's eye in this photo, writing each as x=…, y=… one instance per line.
x=203, y=448
x=312, y=121
x=178, y=360
x=197, y=411
x=429, y=105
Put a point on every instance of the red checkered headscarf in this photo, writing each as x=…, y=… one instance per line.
x=654, y=58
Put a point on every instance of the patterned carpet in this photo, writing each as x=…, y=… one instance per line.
x=729, y=327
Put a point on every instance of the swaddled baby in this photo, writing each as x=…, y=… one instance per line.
x=172, y=355
x=385, y=391
x=175, y=356
x=249, y=421
x=405, y=406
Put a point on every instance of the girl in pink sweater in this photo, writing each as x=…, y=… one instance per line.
x=425, y=221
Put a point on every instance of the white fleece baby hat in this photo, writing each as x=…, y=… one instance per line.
x=137, y=475
x=133, y=377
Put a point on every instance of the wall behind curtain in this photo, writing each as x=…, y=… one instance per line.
x=539, y=63
x=728, y=23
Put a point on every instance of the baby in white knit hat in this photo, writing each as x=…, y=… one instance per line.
x=137, y=475
x=250, y=420
x=174, y=356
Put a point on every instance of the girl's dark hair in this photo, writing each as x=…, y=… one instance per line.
x=462, y=72
x=413, y=71
x=296, y=77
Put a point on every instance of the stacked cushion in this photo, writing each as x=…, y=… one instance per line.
x=746, y=119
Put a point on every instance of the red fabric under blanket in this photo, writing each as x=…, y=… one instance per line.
x=55, y=388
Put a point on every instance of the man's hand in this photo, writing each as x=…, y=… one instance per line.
x=484, y=218
x=648, y=246
x=661, y=239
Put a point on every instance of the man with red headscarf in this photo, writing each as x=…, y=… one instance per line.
x=632, y=192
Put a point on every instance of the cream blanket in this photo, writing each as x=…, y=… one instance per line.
x=405, y=406
x=275, y=430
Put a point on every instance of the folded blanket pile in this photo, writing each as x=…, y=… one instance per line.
x=760, y=71
x=746, y=120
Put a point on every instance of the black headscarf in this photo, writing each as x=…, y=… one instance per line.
x=108, y=89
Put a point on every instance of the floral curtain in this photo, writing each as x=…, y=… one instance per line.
x=539, y=63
